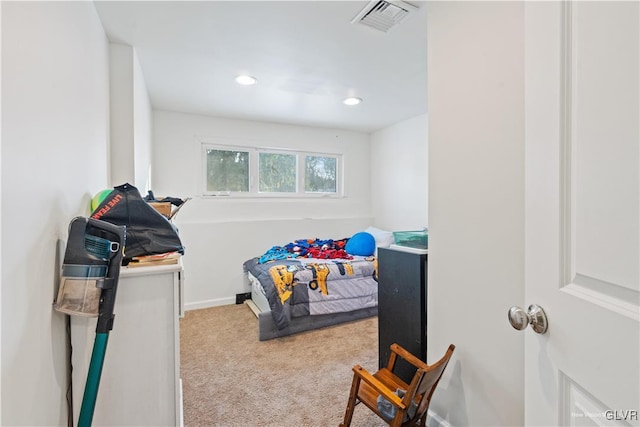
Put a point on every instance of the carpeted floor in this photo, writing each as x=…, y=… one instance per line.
x=230, y=378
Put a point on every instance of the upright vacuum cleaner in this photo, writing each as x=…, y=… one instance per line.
x=88, y=285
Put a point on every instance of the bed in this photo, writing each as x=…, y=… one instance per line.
x=295, y=295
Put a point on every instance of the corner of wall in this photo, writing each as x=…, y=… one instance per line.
x=399, y=165
x=142, y=132
x=121, y=143
x=131, y=119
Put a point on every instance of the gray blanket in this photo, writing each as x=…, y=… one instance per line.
x=302, y=287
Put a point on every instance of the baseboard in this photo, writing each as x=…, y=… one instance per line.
x=209, y=303
x=434, y=420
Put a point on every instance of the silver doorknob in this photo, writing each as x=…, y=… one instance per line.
x=534, y=316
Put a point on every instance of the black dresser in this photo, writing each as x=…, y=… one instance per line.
x=402, y=306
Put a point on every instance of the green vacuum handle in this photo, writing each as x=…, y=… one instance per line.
x=93, y=380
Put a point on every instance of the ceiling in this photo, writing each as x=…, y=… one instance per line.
x=306, y=55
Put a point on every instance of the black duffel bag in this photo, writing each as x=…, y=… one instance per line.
x=147, y=231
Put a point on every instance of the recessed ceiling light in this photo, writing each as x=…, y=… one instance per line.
x=246, y=80
x=352, y=101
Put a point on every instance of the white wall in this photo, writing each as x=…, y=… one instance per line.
x=399, y=163
x=130, y=152
x=219, y=234
x=121, y=154
x=55, y=115
x=476, y=212
x=0, y=214
x=142, y=135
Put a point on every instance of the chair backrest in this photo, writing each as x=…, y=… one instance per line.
x=424, y=383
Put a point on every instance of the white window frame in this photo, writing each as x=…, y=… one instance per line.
x=302, y=171
x=203, y=174
x=254, y=164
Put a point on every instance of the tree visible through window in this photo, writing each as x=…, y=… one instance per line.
x=320, y=174
x=254, y=171
x=277, y=173
x=227, y=170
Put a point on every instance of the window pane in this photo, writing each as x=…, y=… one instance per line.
x=320, y=176
x=277, y=173
x=227, y=170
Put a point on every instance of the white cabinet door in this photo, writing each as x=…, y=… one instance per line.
x=582, y=212
x=140, y=381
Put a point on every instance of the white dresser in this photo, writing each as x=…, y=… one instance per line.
x=140, y=382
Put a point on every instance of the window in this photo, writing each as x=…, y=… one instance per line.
x=320, y=174
x=227, y=170
x=262, y=172
x=277, y=173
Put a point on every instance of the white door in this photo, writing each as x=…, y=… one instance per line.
x=582, y=212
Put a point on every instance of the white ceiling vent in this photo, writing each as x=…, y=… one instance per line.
x=383, y=15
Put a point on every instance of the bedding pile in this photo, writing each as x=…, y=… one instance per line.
x=308, y=248
x=301, y=287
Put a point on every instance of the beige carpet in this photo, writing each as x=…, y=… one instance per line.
x=230, y=378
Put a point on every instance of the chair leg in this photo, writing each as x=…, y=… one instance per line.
x=351, y=404
x=397, y=420
x=423, y=420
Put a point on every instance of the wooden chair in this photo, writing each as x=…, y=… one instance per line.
x=366, y=388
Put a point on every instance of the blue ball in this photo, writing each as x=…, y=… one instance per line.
x=362, y=243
